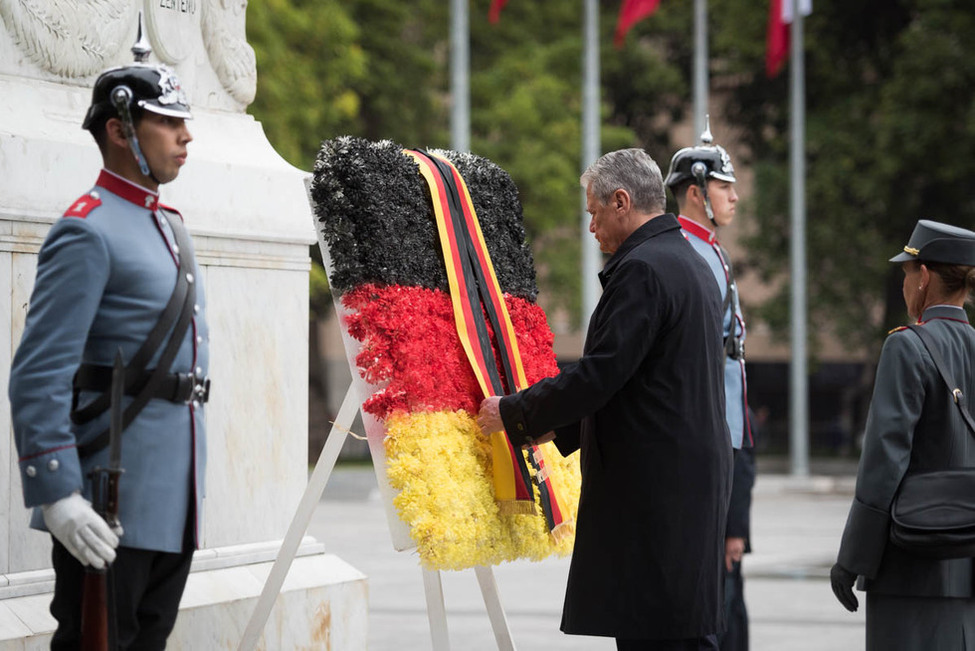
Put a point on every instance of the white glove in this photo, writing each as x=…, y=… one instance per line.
x=82, y=531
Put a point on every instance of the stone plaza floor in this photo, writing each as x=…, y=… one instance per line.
x=796, y=527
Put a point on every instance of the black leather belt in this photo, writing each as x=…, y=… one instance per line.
x=175, y=387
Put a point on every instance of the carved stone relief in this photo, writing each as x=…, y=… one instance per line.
x=226, y=42
x=172, y=26
x=71, y=38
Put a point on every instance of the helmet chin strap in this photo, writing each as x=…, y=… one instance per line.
x=121, y=99
x=699, y=170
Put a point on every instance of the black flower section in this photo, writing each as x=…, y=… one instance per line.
x=375, y=214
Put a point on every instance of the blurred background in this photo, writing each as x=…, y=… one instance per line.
x=889, y=138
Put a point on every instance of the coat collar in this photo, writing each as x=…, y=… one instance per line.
x=692, y=227
x=952, y=312
x=656, y=226
x=128, y=190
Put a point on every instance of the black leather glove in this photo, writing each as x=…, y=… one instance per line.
x=842, y=581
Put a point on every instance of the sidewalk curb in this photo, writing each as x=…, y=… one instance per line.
x=809, y=484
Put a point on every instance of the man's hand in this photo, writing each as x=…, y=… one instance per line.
x=734, y=549
x=489, y=415
x=842, y=581
x=82, y=531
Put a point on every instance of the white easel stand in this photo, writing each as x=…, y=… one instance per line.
x=432, y=586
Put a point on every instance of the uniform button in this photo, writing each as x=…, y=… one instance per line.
x=196, y=309
x=30, y=471
x=199, y=372
x=199, y=340
x=520, y=427
x=176, y=249
x=53, y=465
x=196, y=404
x=189, y=278
x=94, y=195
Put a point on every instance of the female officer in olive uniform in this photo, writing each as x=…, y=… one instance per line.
x=915, y=603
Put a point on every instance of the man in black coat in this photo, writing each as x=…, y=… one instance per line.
x=645, y=404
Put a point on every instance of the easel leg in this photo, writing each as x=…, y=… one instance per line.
x=299, y=524
x=492, y=601
x=436, y=612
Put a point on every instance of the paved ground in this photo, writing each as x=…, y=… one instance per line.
x=797, y=524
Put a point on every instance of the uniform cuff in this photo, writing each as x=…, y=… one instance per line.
x=48, y=477
x=864, y=539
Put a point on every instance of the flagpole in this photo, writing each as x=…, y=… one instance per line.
x=799, y=412
x=590, y=152
x=460, y=114
x=700, y=65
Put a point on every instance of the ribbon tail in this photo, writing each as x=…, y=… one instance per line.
x=512, y=488
x=552, y=506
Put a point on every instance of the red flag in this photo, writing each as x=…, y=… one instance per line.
x=631, y=13
x=777, y=36
x=776, y=39
x=494, y=15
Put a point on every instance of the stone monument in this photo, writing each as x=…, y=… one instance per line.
x=248, y=211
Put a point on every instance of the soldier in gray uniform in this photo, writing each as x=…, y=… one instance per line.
x=915, y=603
x=117, y=273
x=702, y=180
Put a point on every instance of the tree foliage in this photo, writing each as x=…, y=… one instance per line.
x=890, y=131
x=889, y=102
x=382, y=70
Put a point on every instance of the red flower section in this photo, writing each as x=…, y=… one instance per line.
x=410, y=348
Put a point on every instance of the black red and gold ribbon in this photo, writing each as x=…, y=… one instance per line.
x=475, y=291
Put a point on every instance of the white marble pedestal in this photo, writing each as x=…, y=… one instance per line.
x=322, y=604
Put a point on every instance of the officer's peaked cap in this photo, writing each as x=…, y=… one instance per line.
x=155, y=88
x=937, y=242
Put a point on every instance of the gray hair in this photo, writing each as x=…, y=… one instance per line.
x=628, y=169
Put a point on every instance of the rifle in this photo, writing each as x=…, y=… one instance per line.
x=104, y=491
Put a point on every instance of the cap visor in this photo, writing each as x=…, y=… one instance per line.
x=902, y=257
x=173, y=113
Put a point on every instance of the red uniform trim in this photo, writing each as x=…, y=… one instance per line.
x=83, y=205
x=128, y=190
x=939, y=318
x=697, y=230
x=42, y=453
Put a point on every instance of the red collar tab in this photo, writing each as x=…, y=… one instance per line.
x=128, y=190
x=697, y=230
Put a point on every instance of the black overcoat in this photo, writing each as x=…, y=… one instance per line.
x=645, y=404
x=913, y=425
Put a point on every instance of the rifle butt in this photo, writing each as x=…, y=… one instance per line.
x=94, y=611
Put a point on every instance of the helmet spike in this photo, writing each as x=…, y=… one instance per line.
x=141, y=48
x=706, y=137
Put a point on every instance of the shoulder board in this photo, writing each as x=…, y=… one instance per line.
x=897, y=329
x=83, y=205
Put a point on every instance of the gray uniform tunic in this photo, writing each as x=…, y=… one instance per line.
x=912, y=602
x=105, y=272
x=733, y=324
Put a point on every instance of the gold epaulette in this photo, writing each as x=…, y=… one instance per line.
x=897, y=329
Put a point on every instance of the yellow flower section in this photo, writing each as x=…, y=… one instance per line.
x=440, y=464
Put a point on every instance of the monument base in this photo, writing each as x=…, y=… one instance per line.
x=323, y=603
